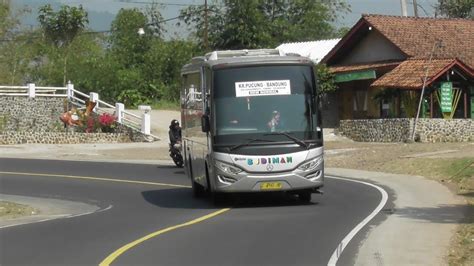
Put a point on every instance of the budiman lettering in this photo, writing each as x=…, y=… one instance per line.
x=270, y=160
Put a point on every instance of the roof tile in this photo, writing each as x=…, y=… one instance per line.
x=416, y=36
x=410, y=73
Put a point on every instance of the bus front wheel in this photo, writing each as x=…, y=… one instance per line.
x=198, y=190
x=304, y=196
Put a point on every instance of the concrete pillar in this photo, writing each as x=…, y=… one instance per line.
x=119, y=108
x=70, y=90
x=146, y=121
x=31, y=90
x=94, y=97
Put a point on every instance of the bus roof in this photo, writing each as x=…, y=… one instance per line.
x=244, y=58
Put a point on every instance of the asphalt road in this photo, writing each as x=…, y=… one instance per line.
x=257, y=230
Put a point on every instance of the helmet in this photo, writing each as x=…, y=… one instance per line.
x=174, y=122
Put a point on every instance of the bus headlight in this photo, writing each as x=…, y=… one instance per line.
x=227, y=168
x=312, y=164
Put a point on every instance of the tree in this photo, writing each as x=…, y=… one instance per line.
x=61, y=28
x=238, y=24
x=15, y=46
x=5, y=21
x=456, y=8
x=325, y=78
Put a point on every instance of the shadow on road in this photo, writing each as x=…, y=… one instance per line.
x=268, y=199
x=183, y=199
x=180, y=198
x=166, y=166
x=441, y=214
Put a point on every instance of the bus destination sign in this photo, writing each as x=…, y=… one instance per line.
x=262, y=88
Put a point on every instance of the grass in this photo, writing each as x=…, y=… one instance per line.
x=461, y=173
x=166, y=105
x=14, y=210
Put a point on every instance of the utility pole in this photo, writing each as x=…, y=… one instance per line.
x=403, y=3
x=415, y=8
x=206, y=26
x=436, y=44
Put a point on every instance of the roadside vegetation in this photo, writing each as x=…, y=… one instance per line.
x=125, y=66
x=14, y=210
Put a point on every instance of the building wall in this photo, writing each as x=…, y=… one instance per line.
x=400, y=130
x=373, y=48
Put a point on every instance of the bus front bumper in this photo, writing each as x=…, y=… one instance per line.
x=284, y=181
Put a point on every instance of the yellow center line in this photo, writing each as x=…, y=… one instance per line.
x=107, y=261
x=127, y=247
x=98, y=179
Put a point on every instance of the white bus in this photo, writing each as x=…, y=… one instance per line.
x=251, y=123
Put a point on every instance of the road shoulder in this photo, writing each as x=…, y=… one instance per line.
x=420, y=227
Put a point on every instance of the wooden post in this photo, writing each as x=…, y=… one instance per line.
x=465, y=104
x=431, y=105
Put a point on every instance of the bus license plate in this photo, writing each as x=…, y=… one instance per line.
x=270, y=186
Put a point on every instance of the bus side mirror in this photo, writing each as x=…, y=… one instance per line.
x=205, y=125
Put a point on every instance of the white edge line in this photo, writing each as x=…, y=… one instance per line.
x=342, y=245
x=57, y=216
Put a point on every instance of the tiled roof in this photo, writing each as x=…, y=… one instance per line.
x=416, y=36
x=410, y=73
x=349, y=68
x=315, y=50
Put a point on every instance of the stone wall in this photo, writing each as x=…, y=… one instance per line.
x=61, y=138
x=39, y=114
x=400, y=130
x=445, y=130
x=36, y=120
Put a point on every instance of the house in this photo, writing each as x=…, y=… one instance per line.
x=384, y=62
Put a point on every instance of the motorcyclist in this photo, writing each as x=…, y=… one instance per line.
x=174, y=132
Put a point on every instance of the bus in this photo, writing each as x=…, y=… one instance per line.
x=251, y=123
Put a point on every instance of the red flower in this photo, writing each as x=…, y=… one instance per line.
x=106, y=119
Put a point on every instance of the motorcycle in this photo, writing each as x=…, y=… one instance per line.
x=175, y=154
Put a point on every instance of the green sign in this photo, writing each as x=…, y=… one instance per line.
x=446, y=97
x=472, y=102
x=472, y=107
x=357, y=75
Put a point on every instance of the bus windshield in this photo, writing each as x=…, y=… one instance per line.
x=259, y=101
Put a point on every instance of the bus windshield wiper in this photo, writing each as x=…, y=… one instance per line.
x=250, y=141
x=295, y=139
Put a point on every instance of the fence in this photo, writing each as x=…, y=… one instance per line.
x=78, y=98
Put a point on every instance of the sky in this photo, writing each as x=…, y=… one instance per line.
x=102, y=12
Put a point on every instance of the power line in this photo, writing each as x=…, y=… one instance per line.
x=92, y=32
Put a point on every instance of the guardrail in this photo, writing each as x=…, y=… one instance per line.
x=78, y=99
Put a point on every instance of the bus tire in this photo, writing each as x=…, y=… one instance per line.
x=305, y=196
x=218, y=198
x=208, y=181
x=198, y=190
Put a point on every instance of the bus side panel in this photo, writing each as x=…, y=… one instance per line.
x=195, y=140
